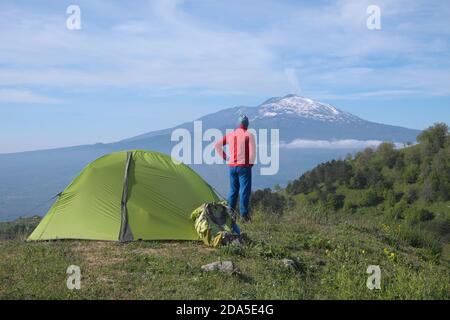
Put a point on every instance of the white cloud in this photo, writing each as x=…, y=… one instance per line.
x=166, y=45
x=165, y=49
x=334, y=144
x=24, y=96
x=291, y=75
x=365, y=94
x=132, y=27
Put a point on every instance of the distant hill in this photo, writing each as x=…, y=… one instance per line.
x=18, y=229
x=408, y=187
x=31, y=178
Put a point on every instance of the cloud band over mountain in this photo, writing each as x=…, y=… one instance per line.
x=334, y=144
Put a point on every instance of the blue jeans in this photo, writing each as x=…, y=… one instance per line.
x=240, y=184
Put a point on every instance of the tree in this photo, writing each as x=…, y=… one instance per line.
x=334, y=202
x=364, y=158
x=328, y=173
x=427, y=192
x=358, y=181
x=374, y=177
x=387, y=153
x=277, y=187
x=411, y=173
x=370, y=198
x=268, y=202
x=440, y=175
x=411, y=194
x=433, y=139
x=400, y=161
x=413, y=156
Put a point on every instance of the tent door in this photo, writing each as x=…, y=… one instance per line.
x=125, y=231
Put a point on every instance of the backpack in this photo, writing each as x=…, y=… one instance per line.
x=215, y=224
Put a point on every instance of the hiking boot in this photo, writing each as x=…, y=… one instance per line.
x=246, y=219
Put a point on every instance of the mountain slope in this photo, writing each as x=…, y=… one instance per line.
x=298, y=118
x=409, y=187
x=30, y=178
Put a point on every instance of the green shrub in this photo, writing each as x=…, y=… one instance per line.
x=411, y=195
x=415, y=215
x=439, y=227
x=358, y=181
x=398, y=212
x=370, y=198
x=419, y=238
x=427, y=193
x=390, y=199
x=18, y=229
x=268, y=202
x=334, y=202
x=312, y=197
x=411, y=173
x=387, y=154
x=433, y=138
x=349, y=206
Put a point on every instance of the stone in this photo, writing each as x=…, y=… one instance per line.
x=223, y=266
x=289, y=263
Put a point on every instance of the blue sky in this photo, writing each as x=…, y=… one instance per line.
x=138, y=66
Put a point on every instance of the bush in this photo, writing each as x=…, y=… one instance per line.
x=386, y=151
x=411, y=173
x=268, y=201
x=358, y=181
x=18, y=229
x=411, y=194
x=415, y=215
x=433, y=138
x=328, y=173
x=349, y=206
x=370, y=198
x=390, y=199
x=418, y=238
x=440, y=174
x=427, y=193
x=398, y=212
x=312, y=197
x=334, y=202
x=413, y=156
x=440, y=227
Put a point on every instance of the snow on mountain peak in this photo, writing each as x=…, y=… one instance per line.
x=294, y=105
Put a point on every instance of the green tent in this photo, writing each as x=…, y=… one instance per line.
x=127, y=196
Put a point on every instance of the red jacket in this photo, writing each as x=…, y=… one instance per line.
x=242, y=148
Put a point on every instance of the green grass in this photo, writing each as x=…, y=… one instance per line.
x=19, y=228
x=333, y=252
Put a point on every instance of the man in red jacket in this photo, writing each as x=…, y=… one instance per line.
x=242, y=149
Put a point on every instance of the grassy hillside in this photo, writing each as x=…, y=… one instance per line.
x=333, y=252
x=409, y=187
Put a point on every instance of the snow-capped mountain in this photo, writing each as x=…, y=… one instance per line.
x=298, y=106
x=30, y=178
x=296, y=117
